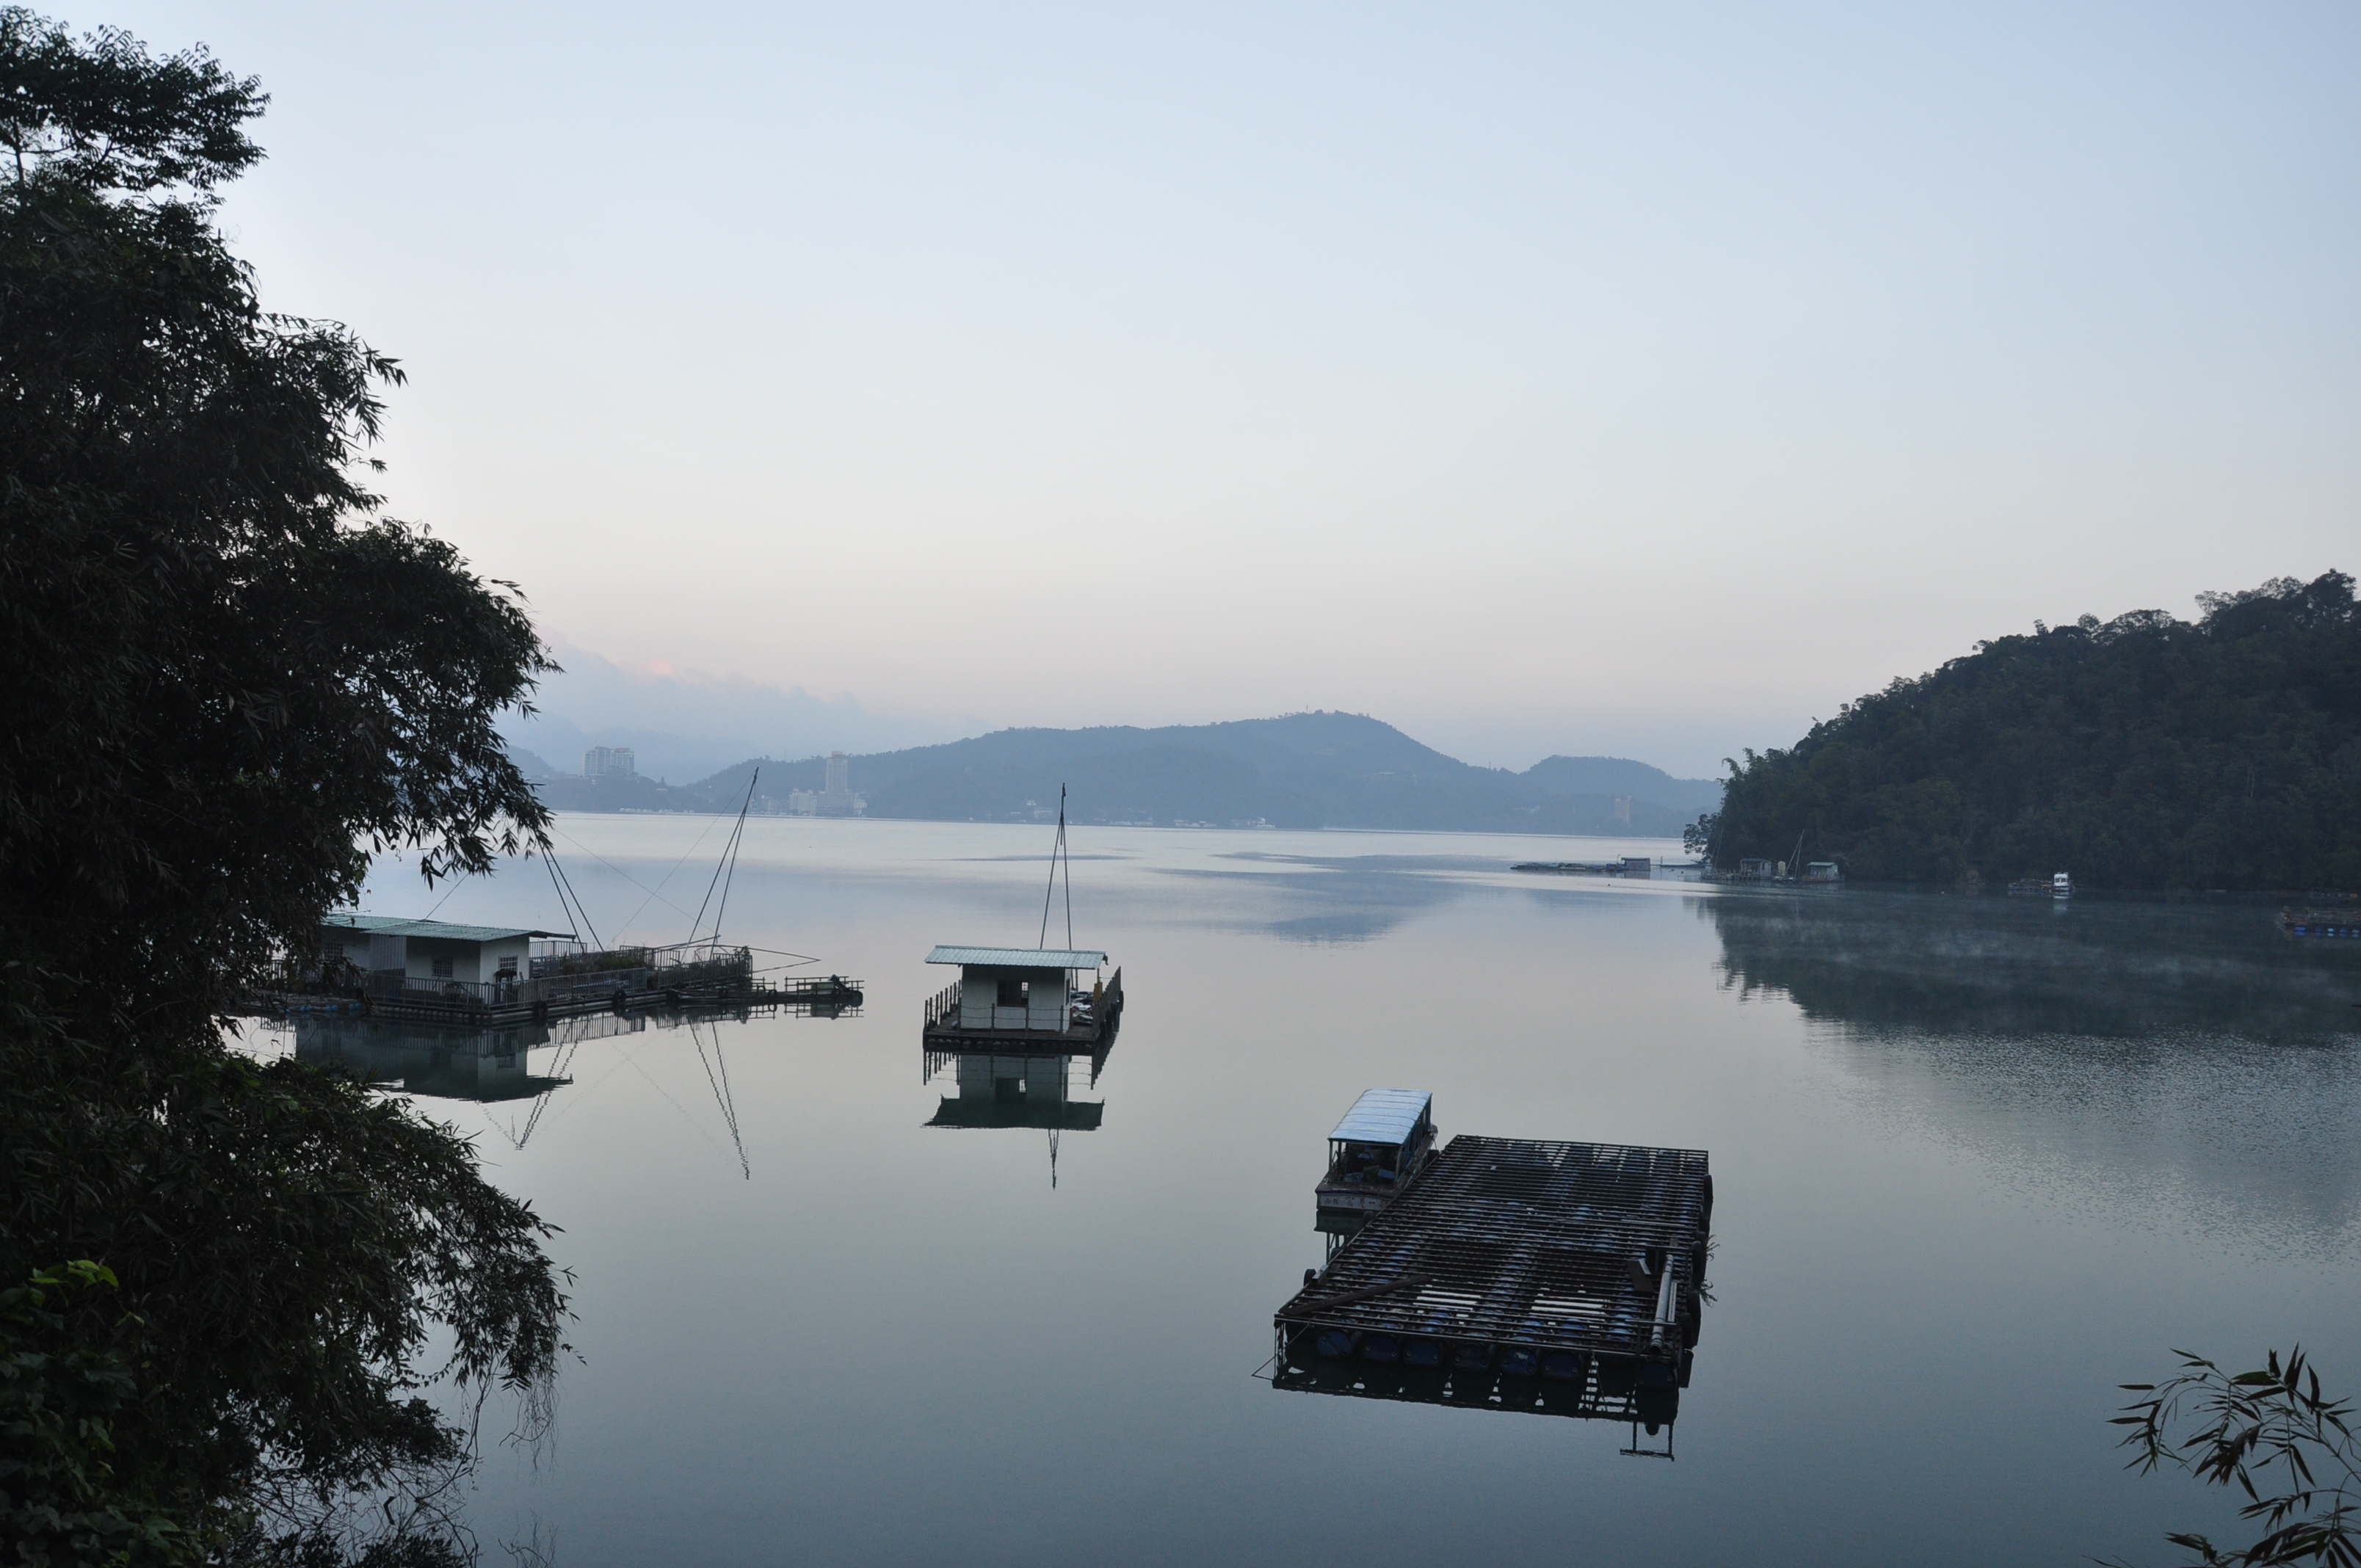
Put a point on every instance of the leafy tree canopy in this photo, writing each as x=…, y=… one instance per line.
x=228, y=678
x=2147, y=751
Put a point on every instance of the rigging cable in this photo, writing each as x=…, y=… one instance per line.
x=1052, y=891
x=728, y=852
x=737, y=839
x=578, y=907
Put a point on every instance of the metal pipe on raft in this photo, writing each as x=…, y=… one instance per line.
x=1667, y=1296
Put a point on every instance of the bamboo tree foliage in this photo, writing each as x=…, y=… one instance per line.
x=228, y=678
x=2147, y=751
x=2288, y=1448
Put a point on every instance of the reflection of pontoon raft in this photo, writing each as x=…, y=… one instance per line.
x=1376, y=1152
x=1511, y=1260
x=1612, y=1393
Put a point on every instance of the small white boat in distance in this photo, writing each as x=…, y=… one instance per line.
x=2061, y=885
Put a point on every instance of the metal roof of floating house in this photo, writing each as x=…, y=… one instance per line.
x=1019, y=957
x=394, y=925
x=1383, y=1116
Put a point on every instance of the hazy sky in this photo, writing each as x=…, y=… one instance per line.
x=1626, y=379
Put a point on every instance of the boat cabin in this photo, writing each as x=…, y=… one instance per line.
x=1379, y=1147
x=1823, y=870
x=2061, y=885
x=1033, y=992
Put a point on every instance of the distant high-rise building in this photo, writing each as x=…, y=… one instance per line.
x=610, y=762
x=837, y=799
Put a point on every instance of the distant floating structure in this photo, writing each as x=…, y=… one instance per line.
x=1639, y=868
x=2321, y=922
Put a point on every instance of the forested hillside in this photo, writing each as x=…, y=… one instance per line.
x=1304, y=770
x=2146, y=752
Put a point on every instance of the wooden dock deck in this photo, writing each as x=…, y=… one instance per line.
x=1513, y=1259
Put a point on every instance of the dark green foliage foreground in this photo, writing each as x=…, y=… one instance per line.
x=226, y=678
x=2146, y=752
x=2285, y=1446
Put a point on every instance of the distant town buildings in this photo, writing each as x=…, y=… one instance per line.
x=836, y=799
x=610, y=762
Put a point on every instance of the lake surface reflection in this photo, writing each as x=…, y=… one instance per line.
x=1976, y=1161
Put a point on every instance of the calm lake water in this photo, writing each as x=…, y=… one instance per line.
x=1976, y=1162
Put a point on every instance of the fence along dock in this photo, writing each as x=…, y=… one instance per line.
x=566, y=980
x=1511, y=1266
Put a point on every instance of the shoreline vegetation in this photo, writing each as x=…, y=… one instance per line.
x=249, y=1313
x=2141, y=753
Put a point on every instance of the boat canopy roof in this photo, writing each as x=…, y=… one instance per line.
x=1383, y=1116
x=1019, y=957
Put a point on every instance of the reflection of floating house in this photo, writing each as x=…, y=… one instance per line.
x=1379, y=1147
x=1013, y=1091
x=451, y=1064
x=1007, y=998
x=1511, y=1264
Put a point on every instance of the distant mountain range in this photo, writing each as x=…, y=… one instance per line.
x=1306, y=770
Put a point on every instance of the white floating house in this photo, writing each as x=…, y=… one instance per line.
x=431, y=953
x=1031, y=993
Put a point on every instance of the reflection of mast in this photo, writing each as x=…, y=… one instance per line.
x=575, y=1033
x=721, y=1095
x=1053, y=1159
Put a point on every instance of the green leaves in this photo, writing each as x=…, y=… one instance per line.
x=229, y=676
x=2272, y=1433
x=105, y=115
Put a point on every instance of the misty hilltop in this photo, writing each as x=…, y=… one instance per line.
x=1305, y=770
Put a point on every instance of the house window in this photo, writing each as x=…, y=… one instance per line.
x=508, y=966
x=1012, y=992
x=442, y=969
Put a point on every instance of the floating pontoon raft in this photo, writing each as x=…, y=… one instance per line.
x=1510, y=1259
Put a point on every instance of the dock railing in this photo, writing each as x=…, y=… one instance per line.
x=943, y=1007
x=504, y=991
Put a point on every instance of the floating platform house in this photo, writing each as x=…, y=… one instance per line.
x=436, y=971
x=1009, y=999
x=1373, y=1154
x=1516, y=1275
